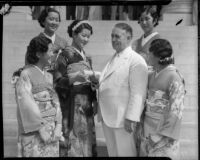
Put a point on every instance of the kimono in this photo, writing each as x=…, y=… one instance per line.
x=143, y=50
x=160, y=128
x=59, y=44
x=76, y=105
x=37, y=106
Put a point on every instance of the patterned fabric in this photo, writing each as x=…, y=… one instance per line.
x=162, y=120
x=77, y=107
x=37, y=106
x=81, y=136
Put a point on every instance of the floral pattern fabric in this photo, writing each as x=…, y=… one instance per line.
x=37, y=106
x=158, y=135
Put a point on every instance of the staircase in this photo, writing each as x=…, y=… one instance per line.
x=18, y=31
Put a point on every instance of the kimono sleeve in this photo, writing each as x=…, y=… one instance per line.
x=61, y=78
x=29, y=112
x=172, y=120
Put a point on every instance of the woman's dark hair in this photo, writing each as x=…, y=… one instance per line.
x=44, y=15
x=37, y=44
x=77, y=26
x=154, y=11
x=162, y=49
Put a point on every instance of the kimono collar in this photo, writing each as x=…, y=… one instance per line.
x=169, y=67
x=80, y=52
x=39, y=69
x=146, y=39
x=52, y=38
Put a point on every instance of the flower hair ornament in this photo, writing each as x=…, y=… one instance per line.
x=79, y=23
x=167, y=59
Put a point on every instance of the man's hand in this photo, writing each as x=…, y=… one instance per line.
x=129, y=125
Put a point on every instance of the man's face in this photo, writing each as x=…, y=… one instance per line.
x=120, y=39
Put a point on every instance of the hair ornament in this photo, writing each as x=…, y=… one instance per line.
x=79, y=23
x=167, y=59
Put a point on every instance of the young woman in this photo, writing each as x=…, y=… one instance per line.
x=164, y=104
x=38, y=109
x=73, y=78
x=148, y=21
x=49, y=19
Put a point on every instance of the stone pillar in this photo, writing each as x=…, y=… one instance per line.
x=177, y=10
x=62, y=10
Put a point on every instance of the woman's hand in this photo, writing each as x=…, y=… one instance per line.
x=45, y=136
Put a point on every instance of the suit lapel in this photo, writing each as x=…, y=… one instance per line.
x=119, y=63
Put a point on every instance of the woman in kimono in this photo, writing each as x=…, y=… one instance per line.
x=38, y=110
x=74, y=84
x=164, y=104
x=49, y=19
x=148, y=20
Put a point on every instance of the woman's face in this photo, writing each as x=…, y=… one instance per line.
x=146, y=22
x=52, y=22
x=153, y=60
x=82, y=38
x=45, y=58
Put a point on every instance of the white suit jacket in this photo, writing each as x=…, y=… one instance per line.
x=122, y=89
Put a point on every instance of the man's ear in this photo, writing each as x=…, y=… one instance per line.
x=129, y=37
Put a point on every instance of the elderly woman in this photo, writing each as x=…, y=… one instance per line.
x=74, y=79
x=38, y=109
x=164, y=104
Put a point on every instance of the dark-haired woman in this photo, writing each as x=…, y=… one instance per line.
x=38, y=110
x=164, y=104
x=148, y=20
x=74, y=79
x=49, y=19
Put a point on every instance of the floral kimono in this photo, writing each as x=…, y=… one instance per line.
x=159, y=134
x=37, y=106
x=76, y=105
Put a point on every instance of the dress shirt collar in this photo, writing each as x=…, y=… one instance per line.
x=126, y=50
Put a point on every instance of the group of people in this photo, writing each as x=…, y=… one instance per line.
x=138, y=97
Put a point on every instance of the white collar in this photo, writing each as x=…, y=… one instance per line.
x=80, y=52
x=123, y=51
x=52, y=38
x=146, y=39
x=39, y=69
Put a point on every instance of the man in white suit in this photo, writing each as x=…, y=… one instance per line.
x=122, y=91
